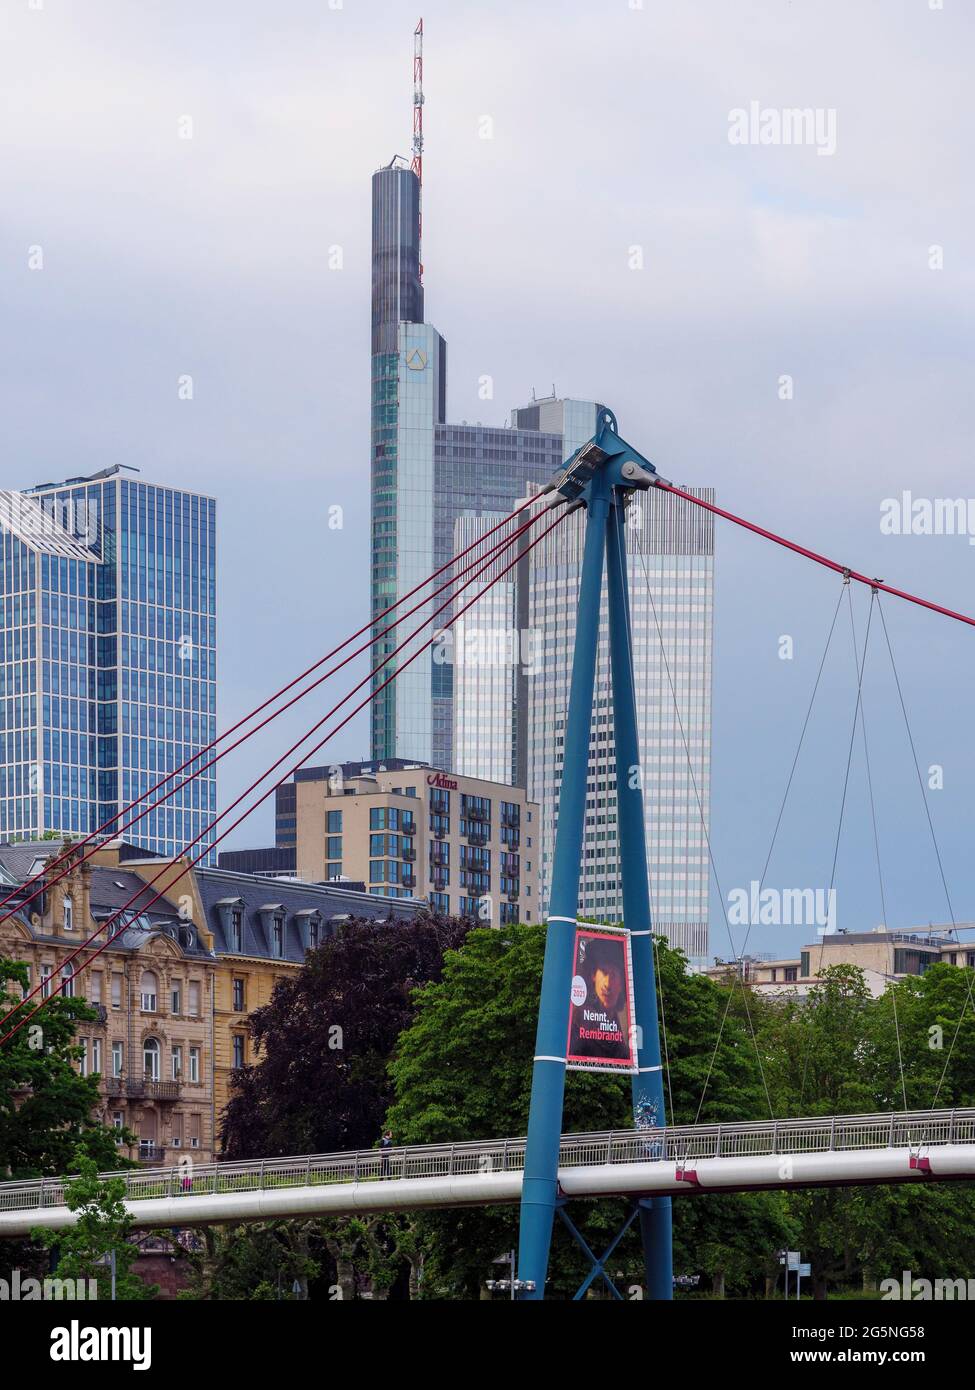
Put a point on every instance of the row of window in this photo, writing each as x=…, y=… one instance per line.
x=91, y=1060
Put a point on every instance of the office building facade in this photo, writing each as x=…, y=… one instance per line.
x=108, y=659
x=670, y=565
x=409, y=830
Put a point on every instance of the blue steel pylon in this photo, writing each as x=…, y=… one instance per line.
x=599, y=476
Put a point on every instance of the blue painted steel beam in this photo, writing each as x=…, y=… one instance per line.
x=648, y=1085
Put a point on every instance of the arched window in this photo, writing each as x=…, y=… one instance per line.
x=68, y=914
x=147, y=991
x=150, y=1058
x=67, y=976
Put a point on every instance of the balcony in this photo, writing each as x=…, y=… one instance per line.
x=409, y=828
x=409, y=853
x=146, y=1088
x=150, y=1154
x=409, y=880
x=512, y=819
x=440, y=806
x=479, y=836
x=474, y=813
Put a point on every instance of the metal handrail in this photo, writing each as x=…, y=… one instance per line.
x=678, y=1143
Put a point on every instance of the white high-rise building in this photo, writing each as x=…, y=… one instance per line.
x=671, y=578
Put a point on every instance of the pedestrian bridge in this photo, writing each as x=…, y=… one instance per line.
x=834, y=1150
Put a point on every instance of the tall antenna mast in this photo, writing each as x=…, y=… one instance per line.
x=417, y=165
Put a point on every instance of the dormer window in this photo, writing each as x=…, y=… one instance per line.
x=237, y=930
x=277, y=938
x=314, y=927
x=68, y=906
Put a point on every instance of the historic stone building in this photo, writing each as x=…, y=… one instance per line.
x=153, y=986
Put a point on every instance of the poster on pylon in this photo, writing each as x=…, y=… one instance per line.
x=601, y=1009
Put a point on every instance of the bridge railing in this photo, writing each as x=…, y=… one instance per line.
x=677, y=1144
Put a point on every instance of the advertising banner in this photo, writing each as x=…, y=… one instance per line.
x=601, y=1010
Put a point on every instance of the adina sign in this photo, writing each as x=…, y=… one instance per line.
x=437, y=779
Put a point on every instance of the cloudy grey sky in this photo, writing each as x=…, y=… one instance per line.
x=209, y=256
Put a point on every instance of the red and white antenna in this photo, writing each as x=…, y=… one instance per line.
x=417, y=165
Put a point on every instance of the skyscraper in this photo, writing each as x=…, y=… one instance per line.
x=670, y=564
x=427, y=473
x=107, y=656
x=436, y=487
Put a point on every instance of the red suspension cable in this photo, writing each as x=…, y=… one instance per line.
x=332, y=732
x=67, y=855
x=813, y=555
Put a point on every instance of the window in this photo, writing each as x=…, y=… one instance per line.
x=96, y=1055
x=68, y=906
x=314, y=930
x=67, y=982
x=118, y=1058
x=83, y=1059
x=277, y=938
x=46, y=981
x=237, y=930
x=176, y=1132
x=148, y=992
x=194, y=998
x=333, y=847
x=238, y=995
x=194, y=1064
x=193, y=1126
x=791, y=972
x=238, y=1049
x=177, y=1058
x=118, y=1120
x=150, y=1059
x=335, y=822
x=96, y=986
x=804, y=964
x=116, y=991
x=176, y=997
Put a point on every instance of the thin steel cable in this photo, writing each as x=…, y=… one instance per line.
x=46, y=884
x=68, y=854
x=305, y=756
x=880, y=873
x=917, y=766
x=707, y=839
x=778, y=822
x=839, y=829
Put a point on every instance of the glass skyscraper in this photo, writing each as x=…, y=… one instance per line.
x=435, y=488
x=426, y=473
x=107, y=657
x=670, y=565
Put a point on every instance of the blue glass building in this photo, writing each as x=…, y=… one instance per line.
x=427, y=473
x=107, y=657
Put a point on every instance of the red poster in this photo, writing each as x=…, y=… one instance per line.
x=601, y=1008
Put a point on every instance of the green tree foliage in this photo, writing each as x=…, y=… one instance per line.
x=102, y=1229
x=325, y=1038
x=463, y=1071
x=46, y=1109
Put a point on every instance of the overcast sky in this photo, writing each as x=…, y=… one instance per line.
x=609, y=125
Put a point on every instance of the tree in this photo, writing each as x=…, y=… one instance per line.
x=47, y=1111
x=101, y=1231
x=463, y=1071
x=321, y=1084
